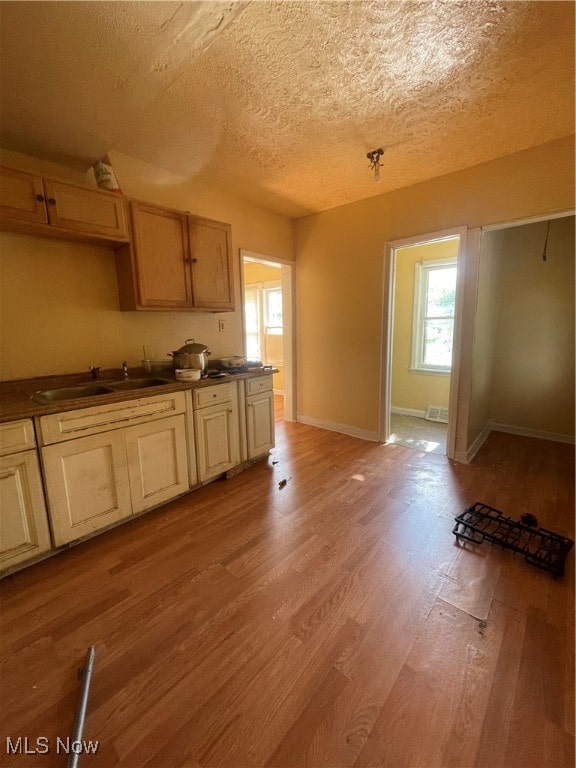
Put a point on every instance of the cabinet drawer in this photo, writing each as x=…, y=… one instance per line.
x=219, y=393
x=17, y=436
x=90, y=421
x=260, y=384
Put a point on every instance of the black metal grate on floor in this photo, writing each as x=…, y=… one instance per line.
x=540, y=547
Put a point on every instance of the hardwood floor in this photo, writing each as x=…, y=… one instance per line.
x=329, y=622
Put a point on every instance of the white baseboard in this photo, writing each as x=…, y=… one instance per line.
x=278, y=391
x=407, y=412
x=345, y=429
x=465, y=457
x=556, y=437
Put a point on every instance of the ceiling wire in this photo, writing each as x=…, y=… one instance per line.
x=544, y=252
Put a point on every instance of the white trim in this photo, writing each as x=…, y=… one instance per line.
x=556, y=437
x=530, y=220
x=261, y=258
x=278, y=391
x=433, y=371
x=407, y=412
x=466, y=456
x=289, y=318
x=344, y=429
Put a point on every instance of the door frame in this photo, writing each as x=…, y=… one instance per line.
x=388, y=329
x=288, y=278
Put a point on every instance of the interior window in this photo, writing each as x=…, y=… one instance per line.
x=434, y=309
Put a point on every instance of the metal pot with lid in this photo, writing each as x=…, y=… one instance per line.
x=191, y=355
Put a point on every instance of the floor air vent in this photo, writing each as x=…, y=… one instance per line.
x=435, y=413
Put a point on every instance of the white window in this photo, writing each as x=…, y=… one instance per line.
x=273, y=310
x=263, y=318
x=434, y=308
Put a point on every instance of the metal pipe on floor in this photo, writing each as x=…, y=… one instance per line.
x=74, y=757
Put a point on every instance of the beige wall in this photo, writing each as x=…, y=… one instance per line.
x=58, y=301
x=414, y=391
x=340, y=260
x=262, y=273
x=533, y=371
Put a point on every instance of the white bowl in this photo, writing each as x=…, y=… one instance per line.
x=187, y=374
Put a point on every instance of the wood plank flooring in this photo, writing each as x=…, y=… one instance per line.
x=329, y=622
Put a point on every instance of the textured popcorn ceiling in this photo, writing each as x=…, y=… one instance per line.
x=279, y=101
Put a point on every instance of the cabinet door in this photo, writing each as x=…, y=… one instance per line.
x=212, y=272
x=161, y=257
x=85, y=210
x=157, y=461
x=217, y=440
x=22, y=196
x=260, y=424
x=24, y=529
x=87, y=484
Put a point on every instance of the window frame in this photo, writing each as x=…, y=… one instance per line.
x=422, y=270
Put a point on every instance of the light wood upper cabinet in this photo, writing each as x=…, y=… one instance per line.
x=176, y=261
x=211, y=260
x=155, y=272
x=22, y=196
x=32, y=205
x=92, y=211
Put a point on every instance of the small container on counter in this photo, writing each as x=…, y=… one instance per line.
x=188, y=374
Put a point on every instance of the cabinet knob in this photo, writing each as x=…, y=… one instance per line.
x=40, y=198
x=51, y=201
x=191, y=260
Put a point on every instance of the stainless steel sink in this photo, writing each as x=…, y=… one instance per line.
x=71, y=393
x=92, y=390
x=136, y=383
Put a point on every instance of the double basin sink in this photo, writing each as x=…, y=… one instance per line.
x=97, y=388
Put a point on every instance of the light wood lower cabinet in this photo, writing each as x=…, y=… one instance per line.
x=216, y=429
x=24, y=532
x=157, y=462
x=260, y=424
x=109, y=474
x=87, y=484
x=260, y=435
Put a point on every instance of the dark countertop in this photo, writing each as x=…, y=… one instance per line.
x=16, y=396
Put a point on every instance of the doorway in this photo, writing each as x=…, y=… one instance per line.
x=419, y=349
x=268, y=323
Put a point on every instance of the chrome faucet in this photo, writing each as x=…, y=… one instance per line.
x=124, y=369
x=94, y=372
